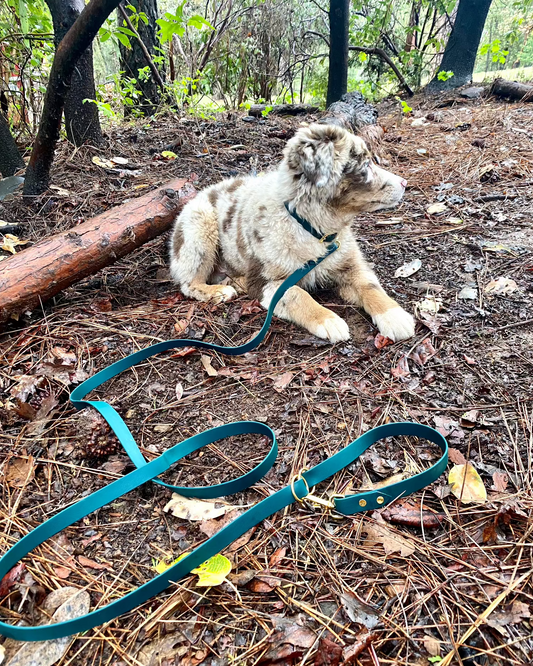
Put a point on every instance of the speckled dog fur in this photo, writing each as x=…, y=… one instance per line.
x=327, y=176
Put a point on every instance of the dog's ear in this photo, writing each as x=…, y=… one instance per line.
x=312, y=152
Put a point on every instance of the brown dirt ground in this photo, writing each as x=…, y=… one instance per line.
x=468, y=373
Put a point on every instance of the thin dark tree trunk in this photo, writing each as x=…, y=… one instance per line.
x=339, y=16
x=132, y=60
x=75, y=42
x=10, y=158
x=461, y=49
x=81, y=120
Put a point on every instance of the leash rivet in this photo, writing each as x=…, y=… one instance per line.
x=362, y=502
x=380, y=500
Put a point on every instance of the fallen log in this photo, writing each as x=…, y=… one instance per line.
x=44, y=269
x=256, y=110
x=519, y=92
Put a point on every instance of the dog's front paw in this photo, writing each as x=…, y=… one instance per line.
x=332, y=328
x=223, y=293
x=396, y=324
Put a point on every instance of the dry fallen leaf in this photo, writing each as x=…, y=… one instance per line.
x=432, y=645
x=517, y=613
x=206, y=362
x=408, y=269
x=359, y=611
x=289, y=640
x=19, y=472
x=283, y=381
x=402, y=369
x=193, y=509
x=91, y=564
x=10, y=243
x=105, y=164
x=377, y=532
x=431, y=304
x=27, y=385
x=13, y=576
x=500, y=481
x=466, y=484
x=456, y=457
x=381, y=341
x=423, y=352
x=328, y=653
x=179, y=391
x=468, y=294
x=501, y=287
x=436, y=208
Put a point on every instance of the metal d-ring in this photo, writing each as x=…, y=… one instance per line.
x=299, y=477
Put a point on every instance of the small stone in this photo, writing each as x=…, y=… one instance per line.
x=474, y=92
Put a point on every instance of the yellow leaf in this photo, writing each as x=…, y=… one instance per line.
x=11, y=242
x=169, y=155
x=210, y=573
x=105, y=164
x=213, y=572
x=466, y=484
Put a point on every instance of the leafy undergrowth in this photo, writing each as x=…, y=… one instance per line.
x=430, y=575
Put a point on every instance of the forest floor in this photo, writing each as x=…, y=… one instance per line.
x=398, y=586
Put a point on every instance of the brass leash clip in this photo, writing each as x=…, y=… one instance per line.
x=309, y=498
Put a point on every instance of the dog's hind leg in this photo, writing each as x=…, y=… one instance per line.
x=193, y=250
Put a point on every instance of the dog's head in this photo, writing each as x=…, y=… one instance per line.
x=333, y=166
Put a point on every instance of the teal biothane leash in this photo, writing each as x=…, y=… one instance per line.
x=299, y=490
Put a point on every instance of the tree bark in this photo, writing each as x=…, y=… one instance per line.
x=339, y=17
x=43, y=270
x=134, y=59
x=352, y=112
x=256, y=110
x=519, y=92
x=75, y=42
x=10, y=158
x=81, y=120
x=461, y=49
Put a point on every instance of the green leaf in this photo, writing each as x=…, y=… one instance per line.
x=126, y=31
x=198, y=22
x=434, y=660
x=123, y=39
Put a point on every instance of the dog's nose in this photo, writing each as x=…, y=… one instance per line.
x=404, y=183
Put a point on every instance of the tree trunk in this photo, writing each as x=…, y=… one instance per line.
x=339, y=17
x=81, y=120
x=10, y=158
x=75, y=42
x=461, y=49
x=43, y=270
x=132, y=60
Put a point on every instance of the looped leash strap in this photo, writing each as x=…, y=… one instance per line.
x=227, y=535
x=145, y=471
